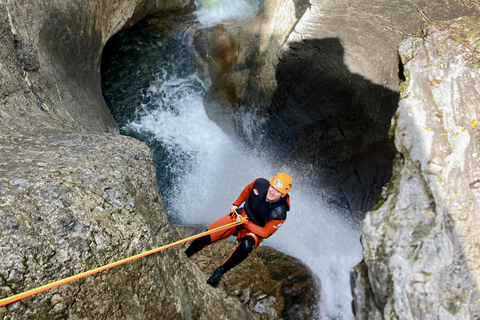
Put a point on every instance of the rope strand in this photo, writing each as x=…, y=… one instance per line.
x=23, y=295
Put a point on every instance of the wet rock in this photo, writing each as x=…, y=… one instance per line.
x=271, y=284
x=300, y=287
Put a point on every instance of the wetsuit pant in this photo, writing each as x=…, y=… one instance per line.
x=246, y=241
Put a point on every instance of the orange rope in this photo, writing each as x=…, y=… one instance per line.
x=46, y=287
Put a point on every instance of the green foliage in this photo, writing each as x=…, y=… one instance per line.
x=403, y=88
x=391, y=131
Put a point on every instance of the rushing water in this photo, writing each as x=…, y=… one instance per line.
x=155, y=91
x=212, y=12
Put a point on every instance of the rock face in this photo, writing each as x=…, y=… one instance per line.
x=73, y=197
x=421, y=246
x=62, y=175
x=74, y=202
x=50, y=53
x=323, y=76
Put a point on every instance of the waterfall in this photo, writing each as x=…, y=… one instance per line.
x=212, y=12
x=201, y=170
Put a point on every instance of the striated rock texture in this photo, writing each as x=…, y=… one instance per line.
x=50, y=54
x=73, y=197
x=323, y=77
x=74, y=202
x=421, y=244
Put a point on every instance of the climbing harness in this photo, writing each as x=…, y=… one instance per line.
x=23, y=295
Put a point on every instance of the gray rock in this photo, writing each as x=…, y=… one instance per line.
x=71, y=200
x=421, y=244
x=51, y=53
x=60, y=221
x=323, y=76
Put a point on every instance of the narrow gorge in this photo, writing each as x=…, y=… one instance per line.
x=371, y=106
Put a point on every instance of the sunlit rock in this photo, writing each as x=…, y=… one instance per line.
x=421, y=243
x=73, y=198
x=74, y=202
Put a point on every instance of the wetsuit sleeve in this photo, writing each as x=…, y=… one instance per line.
x=245, y=194
x=270, y=228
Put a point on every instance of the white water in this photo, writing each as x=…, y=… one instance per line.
x=217, y=170
x=212, y=12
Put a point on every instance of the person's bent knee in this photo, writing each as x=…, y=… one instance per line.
x=247, y=244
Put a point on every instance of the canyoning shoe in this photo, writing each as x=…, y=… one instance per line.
x=216, y=276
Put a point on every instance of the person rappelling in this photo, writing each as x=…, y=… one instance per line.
x=265, y=208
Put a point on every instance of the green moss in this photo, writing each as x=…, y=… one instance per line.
x=381, y=201
x=456, y=303
x=403, y=88
x=391, y=131
x=473, y=35
x=476, y=65
x=413, y=168
x=390, y=288
x=453, y=308
x=394, y=182
x=422, y=230
x=414, y=255
x=272, y=256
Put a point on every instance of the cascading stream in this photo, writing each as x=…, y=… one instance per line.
x=155, y=91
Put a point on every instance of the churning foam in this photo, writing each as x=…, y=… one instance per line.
x=212, y=12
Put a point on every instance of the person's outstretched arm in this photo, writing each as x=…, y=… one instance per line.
x=243, y=196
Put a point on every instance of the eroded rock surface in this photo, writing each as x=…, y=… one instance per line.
x=421, y=257
x=50, y=53
x=70, y=203
x=72, y=197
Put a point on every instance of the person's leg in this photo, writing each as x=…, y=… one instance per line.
x=200, y=243
x=240, y=253
x=197, y=245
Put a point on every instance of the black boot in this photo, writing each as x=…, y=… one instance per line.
x=216, y=276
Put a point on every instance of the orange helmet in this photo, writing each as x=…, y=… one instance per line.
x=282, y=182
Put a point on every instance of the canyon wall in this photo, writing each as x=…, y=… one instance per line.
x=322, y=77
x=421, y=243
x=51, y=53
x=72, y=196
x=74, y=202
